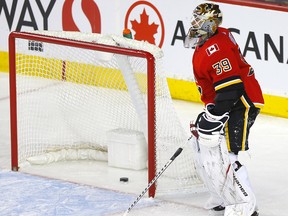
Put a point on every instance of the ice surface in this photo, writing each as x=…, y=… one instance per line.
x=74, y=188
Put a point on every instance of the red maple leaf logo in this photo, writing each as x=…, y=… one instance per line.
x=144, y=31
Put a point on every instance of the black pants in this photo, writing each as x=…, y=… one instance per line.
x=238, y=126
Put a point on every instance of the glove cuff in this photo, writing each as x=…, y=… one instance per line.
x=215, y=117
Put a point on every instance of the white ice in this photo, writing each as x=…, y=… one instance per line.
x=74, y=188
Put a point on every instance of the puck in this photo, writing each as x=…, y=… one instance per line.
x=124, y=179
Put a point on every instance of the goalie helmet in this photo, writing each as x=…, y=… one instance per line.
x=206, y=18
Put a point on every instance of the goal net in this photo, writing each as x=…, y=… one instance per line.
x=83, y=96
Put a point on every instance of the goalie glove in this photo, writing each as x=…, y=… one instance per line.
x=209, y=124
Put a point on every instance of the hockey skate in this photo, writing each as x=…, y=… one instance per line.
x=217, y=211
x=256, y=213
x=239, y=212
x=220, y=210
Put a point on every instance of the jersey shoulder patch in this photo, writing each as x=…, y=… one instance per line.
x=212, y=49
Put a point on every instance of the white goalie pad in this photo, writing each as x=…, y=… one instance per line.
x=215, y=199
x=221, y=179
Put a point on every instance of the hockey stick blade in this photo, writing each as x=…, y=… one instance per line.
x=176, y=154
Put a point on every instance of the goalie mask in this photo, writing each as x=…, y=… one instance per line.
x=205, y=20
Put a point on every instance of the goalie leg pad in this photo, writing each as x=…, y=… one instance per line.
x=243, y=197
x=243, y=186
x=225, y=181
x=214, y=199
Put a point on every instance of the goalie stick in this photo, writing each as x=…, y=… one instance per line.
x=179, y=150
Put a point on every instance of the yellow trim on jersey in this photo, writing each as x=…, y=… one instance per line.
x=259, y=105
x=246, y=104
x=223, y=85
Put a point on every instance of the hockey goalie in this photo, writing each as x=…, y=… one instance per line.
x=232, y=98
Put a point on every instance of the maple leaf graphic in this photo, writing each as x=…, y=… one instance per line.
x=144, y=31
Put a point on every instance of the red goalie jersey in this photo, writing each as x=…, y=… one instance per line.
x=221, y=72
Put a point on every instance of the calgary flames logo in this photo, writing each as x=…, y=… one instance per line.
x=138, y=18
x=91, y=11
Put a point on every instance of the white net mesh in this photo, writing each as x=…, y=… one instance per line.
x=70, y=98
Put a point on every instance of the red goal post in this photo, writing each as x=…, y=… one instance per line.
x=54, y=66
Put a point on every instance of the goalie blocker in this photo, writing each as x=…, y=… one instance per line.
x=224, y=176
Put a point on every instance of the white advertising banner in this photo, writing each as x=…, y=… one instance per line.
x=260, y=33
